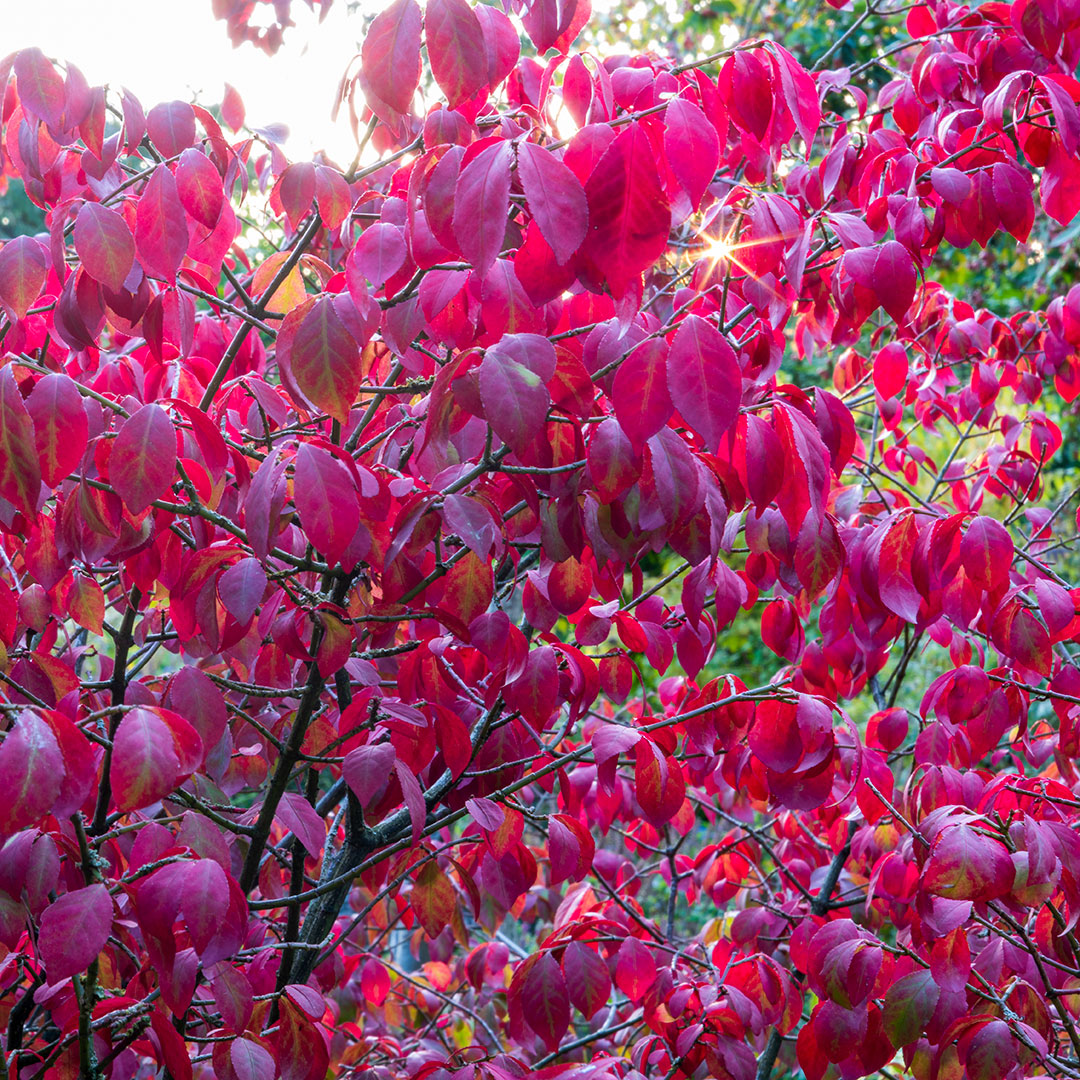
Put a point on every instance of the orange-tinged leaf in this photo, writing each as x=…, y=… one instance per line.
x=966, y=865
x=61, y=428
x=104, y=243
x=143, y=458
x=20, y=473
x=326, y=361
x=288, y=295
x=22, y=274
x=433, y=899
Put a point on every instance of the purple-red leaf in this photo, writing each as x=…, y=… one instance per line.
x=104, y=243
x=74, y=929
x=481, y=205
x=629, y=218
x=161, y=232
x=455, y=44
x=325, y=360
x=60, y=426
x=143, y=458
x=965, y=864
x=391, y=54
x=704, y=380
x=31, y=772
x=692, y=146
x=640, y=392
x=22, y=274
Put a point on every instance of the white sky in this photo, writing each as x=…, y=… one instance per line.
x=167, y=49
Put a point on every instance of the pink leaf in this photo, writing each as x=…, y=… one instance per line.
x=325, y=360
x=20, y=471
x=300, y=818
x=894, y=279
x=556, y=199
x=199, y=187
x=481, y=205
x=325, y=494
x=31, y=772
x=379, y=253
x=22, y=274
x=629, y=218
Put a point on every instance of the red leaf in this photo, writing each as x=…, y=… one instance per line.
x=199, y=187
x=104, y=243
x=41, y=89
x=455, y=49
x=554, y=24
x=379, y=253
x=60, y=426
x=640, y=392
x=950, y=960
x=613, y=463
x=909, y=1004
x=545, y=1002
x=241, y=589
x=74, y=929
x=890, y=370
x=1013, y=195
x=993, y=1051
x=894, y=279
x=704, y=380
x=629, y=218
x=433, y=899
x=146, y=762
x=819, y=554
x=171, y=127
x=587, y=978
x=300, y=818
x=233, y=996
x=325, y=494
x=161, y=232
x=391, y=54
x=205, y=901
x=232, y=108
x=367, y=771
x=332, y=196
x=250, y=1061
x=986, y=552
x=692, y=146
x=895, y=586
x=635, y=969
x=143, y=458
x=535, y=693
x=515, y=398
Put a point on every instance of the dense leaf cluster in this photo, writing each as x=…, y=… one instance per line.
x=347, y=728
